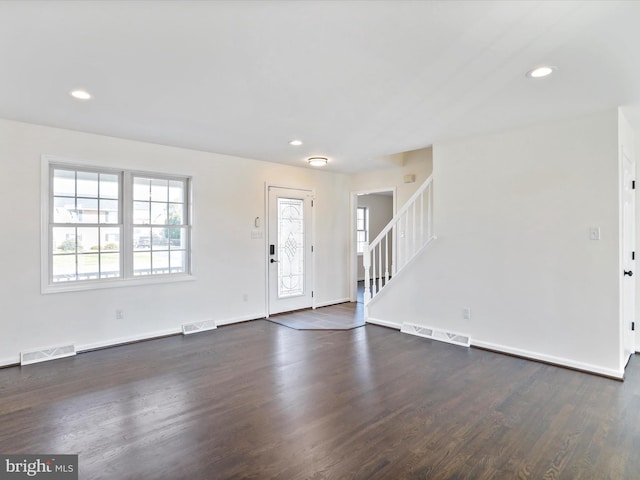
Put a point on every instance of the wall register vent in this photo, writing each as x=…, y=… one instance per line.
x=189, y=328
x=50, y=353
x=435, y=334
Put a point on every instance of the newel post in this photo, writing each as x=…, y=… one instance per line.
x=366, y=262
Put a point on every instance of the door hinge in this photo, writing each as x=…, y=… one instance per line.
x=633, y=255
x=633, y=326
x=311, y=248
x=311, y=293
x=633, y=184
x=312, y=203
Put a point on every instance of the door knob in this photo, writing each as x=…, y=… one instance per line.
x=628, y=272
x=274, y=261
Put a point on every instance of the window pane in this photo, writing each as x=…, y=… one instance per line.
x=109, y=239
x=64, y=268
x=109, y=265
x=141, y=213
x=64, y=210
x=360, y=224
x=176, y=214
x=88, y=267
x=108, y=211
x=160, y=239
x=159, y=190
x=178, y=261
x=108, y=185
x=176, y=191
x=87, y=210
x=159, y=213
x=141, y=189
x=360, y=215
x=88, y=239
x=87, y=184
x=177, y=238
x=141, y=238
x=142, y=263
x=361, y=236
x=160, y=262
x=64, y=240
x=64, y=183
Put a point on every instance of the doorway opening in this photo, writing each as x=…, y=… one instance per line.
x=371, y=211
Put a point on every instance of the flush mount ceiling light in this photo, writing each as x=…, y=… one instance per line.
x=295, y=143
x=80, y=94
x=541, y=71
x=317, y=161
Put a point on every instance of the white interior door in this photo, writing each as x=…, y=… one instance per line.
x=290, y=249
x=628, y=252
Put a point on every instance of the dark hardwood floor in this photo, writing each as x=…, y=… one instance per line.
x=258, y=400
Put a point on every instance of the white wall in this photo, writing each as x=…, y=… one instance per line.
x=512, y=216
x=380, y=214
x=228, y=193
x=417, y=162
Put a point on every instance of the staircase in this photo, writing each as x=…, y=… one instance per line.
x=409, y=232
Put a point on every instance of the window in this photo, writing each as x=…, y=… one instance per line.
x=107, y=226
x=362, y=228
x=159, y=225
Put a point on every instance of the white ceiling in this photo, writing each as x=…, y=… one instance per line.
x=355, y=80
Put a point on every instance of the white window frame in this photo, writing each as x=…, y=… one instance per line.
x=365, y=230
x=126, y=278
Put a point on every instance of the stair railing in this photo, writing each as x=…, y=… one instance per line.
x=410, y=230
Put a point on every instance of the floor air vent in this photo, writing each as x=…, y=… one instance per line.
x=435, y=334
x=27, y=358
x=188, y=328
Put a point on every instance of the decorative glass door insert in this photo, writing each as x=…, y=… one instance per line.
x=291, y=247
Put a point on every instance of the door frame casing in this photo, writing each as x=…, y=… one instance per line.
x=312, y=237
x=353, y=255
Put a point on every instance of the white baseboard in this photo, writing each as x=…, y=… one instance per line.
x=122, y=340
x=564, y=362
x=331, y=302
x=384, y=323
x=244, y=318
x=5, y=362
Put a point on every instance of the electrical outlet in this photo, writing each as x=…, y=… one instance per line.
x=119, y=314
x=466, y=313
x=594, y=233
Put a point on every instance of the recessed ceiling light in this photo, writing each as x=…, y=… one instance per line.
x=541, y=71
x=80, y=94
x=317, y=161
x=295, y=143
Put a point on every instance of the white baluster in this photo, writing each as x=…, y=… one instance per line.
x=413, y=232
x=394, y=248
x=373, y=272
x=430, y=212
x=422, y=241
x=380, y=284
x=386, y=258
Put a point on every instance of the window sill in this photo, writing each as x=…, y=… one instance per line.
x=116, y=283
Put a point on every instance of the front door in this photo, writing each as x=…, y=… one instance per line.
x=290, y=249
